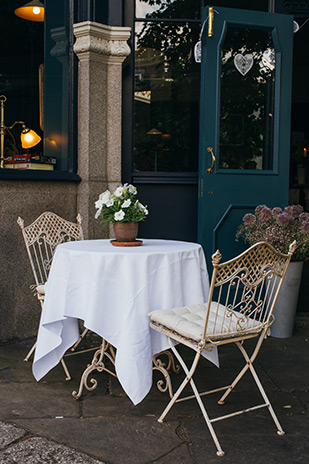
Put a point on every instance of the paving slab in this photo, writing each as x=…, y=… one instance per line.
x=34, y=400
x=254, y=446
x=180, y=455
x=121, y=440
x=42, y=423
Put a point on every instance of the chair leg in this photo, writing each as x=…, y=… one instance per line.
x=26, y=359
x=189, y=379
x=68, y=376
x=280, y=431
x=244, y=369
x=220, y=452
x=66, y=371
x=233, y=384
x=82, y=336
x=173, y=400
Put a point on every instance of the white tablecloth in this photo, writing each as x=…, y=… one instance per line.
x=112, y=289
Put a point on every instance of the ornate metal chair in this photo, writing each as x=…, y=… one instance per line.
x=41, y=239
x=242, y=296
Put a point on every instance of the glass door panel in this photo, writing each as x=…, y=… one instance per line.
x=247, y=99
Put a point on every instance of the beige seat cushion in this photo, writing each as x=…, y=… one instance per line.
x=189, y=321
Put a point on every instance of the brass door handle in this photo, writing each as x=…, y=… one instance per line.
x=210, y=150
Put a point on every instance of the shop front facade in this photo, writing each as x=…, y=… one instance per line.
x=113, y=88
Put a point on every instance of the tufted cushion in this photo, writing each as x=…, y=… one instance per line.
x=189, y=321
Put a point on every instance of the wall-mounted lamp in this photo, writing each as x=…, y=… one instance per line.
x=32, y=11
x=28, y=137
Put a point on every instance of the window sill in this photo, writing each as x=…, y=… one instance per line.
x=165, y=177
x=10, y=174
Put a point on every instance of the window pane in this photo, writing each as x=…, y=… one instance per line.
x=258, y=5
x=247, y=99
x=21, y=54
x=56, y=82
x=168, y=9
x=167, y=82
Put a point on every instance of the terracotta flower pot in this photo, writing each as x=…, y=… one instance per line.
x=125, y=231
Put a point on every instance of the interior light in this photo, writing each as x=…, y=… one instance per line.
x=154, y=131
x=29, y=138
x=32, y=11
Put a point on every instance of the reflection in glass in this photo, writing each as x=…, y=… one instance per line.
x=247, y=99
x=56, y=83
x=21, y=54
x=168, y=9
x=166, y=96
x=258, y=5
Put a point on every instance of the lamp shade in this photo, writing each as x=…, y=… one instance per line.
x=154, y=131
x=29, y=138
x=33, y=11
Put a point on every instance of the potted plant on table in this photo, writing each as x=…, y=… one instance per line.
x=122, y=209
x=280, y=228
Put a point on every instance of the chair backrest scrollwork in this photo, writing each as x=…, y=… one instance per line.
x=244, y=290
x=43, y=236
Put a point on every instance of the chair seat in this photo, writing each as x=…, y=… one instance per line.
x=189, y=321
x=41, y=290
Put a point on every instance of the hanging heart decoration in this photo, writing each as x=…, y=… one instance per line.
x=198, y=52
x=243, y=63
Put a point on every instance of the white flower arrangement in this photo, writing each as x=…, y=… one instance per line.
x=120, y=206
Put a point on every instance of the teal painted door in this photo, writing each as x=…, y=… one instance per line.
x=244, y=149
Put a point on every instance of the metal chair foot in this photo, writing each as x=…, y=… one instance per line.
x=26, y=359
x=66, y=371
x=220, y=453
x=280, y=432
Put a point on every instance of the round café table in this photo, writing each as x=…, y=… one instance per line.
x=112, y=289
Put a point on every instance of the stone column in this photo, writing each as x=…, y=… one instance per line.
x=101, y=51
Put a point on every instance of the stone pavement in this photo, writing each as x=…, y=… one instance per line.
x=40, y=422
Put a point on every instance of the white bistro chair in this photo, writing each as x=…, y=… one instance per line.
x=242, y=296
x=41, y=238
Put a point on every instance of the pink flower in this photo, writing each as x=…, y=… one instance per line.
x=304, y=217
x=265, y=214
x=284, y=219
x=276, y=211
x=305, y=227
x=294, y=210
x=249, y=219
x=259, y=208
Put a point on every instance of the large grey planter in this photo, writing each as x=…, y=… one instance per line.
x=286, y=303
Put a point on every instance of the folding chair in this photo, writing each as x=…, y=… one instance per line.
x=242, y=296
x=41, y=239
